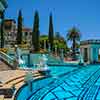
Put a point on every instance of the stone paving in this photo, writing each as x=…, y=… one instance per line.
x=4, y=66
x=14, y=77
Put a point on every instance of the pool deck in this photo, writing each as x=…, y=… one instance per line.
x=4, y=66
x=8, y=78
x=16, y=77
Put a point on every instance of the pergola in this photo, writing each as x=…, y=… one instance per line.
x=90, y=51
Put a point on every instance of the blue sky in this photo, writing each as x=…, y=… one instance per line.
x=85, y=14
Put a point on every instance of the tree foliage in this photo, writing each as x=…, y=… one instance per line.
x=19, y=28
x=74, y=36
x=51, y=32
x=36, y=33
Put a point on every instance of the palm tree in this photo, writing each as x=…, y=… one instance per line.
x=74, y=36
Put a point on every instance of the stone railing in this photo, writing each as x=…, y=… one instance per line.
x=9, y=60
x=90, y=42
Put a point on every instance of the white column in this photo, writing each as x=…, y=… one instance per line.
x=91, y=55
x=44, y=44
x=82, y=52
x=97, y=53
x=94, y=54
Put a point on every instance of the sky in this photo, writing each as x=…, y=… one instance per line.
x=84, y=14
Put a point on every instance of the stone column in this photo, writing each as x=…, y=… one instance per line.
x=82, y=52
x=88, y=51
x=91, y=55
x=94, y=55
x=97, y=52
x=44, y=44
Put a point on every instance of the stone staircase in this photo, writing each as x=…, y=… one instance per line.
x=17, y=82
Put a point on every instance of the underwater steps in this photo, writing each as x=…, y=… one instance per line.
x=17, y=82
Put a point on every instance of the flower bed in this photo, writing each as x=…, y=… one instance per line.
x=4, y=50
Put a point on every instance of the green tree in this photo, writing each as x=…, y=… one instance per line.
x=44, y=41
x=2, y=30
x=57, y=36
x=25, y=36
x=19, y=28
x=51, y=32
x=61, y=44
x=74, y=36
x=36, y=33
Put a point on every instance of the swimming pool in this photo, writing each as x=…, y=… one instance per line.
x=34, y=58
x=31, y=59
x=76, y=84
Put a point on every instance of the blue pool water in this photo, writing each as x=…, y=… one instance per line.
x=55, y=72
x=34, y=58
x=70, y=83
x=31, y=59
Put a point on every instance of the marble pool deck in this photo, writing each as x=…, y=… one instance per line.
x=4, y=66
x=9, y=78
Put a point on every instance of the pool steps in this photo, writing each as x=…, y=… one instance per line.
x=18, y=82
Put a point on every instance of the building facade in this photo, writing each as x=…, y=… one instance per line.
x=90, y=51
x=27, y=34
x=9, y=30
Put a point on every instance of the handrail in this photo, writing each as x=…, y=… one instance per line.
x=7, y=58
x=6, y=55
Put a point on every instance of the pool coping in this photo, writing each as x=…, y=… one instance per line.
x=18, y=91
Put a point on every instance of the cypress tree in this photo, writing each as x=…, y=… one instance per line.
x=36, y=32
x=19, y=28
x=2, y=30
x=51, y=32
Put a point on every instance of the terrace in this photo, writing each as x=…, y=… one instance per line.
x=66, y=81
x=37, y=66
